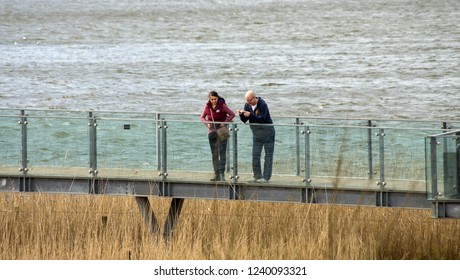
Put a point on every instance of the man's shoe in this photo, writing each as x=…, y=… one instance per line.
x=252, y=180
x=262, y=180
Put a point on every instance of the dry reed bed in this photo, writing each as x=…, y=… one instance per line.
x=46, y=226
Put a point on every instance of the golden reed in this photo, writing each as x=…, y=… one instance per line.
x=93, y=227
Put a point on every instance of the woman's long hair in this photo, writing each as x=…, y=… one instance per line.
x=215, y=94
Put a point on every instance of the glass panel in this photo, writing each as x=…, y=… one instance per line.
x=339, y=153
x=188, y=151
x=451, y=168
x=441, y=147
x=443, y=165
x=429, y=165
x=57, y=142
x=404, y=155
x=454, y=125
x=126, y=147
x=285, y=156
x=245, y=152
x=10, y=142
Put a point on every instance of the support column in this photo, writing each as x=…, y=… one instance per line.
x=147, y=213
x=173, y=216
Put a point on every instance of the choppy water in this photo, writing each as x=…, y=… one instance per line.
x=335, y=58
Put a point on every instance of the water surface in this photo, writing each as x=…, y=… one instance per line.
x=328, y=58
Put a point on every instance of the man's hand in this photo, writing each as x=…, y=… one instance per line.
x=244, y=113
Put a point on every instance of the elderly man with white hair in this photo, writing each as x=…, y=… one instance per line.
x=263, y=136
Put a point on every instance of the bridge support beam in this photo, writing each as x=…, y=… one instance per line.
x=151, y=221
x=173, y=215
x=445, y=209
x=147, y=213
x=381, y=199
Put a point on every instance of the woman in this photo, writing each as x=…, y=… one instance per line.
x=215, y=111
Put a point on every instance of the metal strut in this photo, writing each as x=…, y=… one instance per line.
x=92, y=127
x=151, y=221
x=149, y=216
x=173, y=215
x=24, y=181
x=382, y=194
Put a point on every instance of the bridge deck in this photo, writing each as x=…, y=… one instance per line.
x=204, y=177
x=183, y=184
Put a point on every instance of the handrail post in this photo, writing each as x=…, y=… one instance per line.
x=382, y=197
x=307, y=194
x=433, y=167
x=158, y=122
x=382, y=157
x=297, y=146
x=307, y=156
x=227, y=156
x=437, y=210
x=369, y=149
x=92, y=126
x=164, y=153
x=24, y=184
x=235, y=176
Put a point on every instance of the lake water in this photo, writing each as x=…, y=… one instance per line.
x=326, y=58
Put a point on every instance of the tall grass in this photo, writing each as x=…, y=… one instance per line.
x=92, y=227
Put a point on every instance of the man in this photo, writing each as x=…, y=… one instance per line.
x=263, y=135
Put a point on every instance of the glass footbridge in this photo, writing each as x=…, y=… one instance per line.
x=381, y=163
